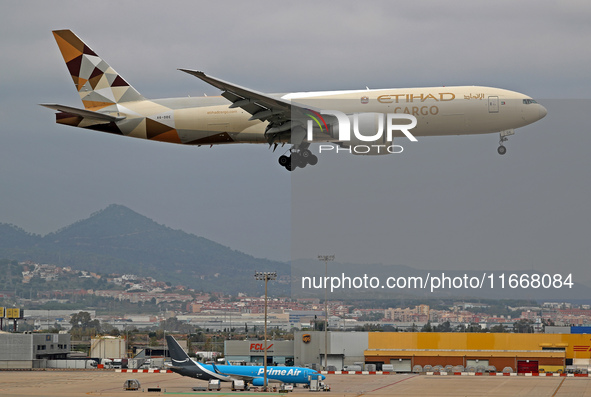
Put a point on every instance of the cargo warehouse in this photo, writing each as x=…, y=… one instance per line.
x=402, y=351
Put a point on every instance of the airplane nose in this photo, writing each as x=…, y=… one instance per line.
x=543, y=112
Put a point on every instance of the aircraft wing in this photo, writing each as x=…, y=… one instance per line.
x=263, y=107
x=247, y=378
x=82, y=112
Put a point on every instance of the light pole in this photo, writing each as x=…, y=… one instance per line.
x=326, y=258
x=266, y=276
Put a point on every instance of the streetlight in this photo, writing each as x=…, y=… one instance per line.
x=266, y=276
x=326, y=258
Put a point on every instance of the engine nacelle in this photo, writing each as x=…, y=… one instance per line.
x=259, y=381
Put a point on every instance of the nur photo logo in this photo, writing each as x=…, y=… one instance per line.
x=361, y=133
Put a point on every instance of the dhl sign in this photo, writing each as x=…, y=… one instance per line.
x=581, y=348
x=260, y=347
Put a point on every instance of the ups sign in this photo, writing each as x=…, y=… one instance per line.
x=306, y=338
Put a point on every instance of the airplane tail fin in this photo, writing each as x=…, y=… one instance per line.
x=177, y=354
x=98, y=84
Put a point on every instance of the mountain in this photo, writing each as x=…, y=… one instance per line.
x=119, y=240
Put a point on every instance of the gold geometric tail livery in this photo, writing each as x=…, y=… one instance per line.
x=243, y=115
x=97, y=83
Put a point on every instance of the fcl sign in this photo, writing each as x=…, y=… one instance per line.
x=260, y=347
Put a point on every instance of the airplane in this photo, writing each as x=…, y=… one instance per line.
x=243, y=115
x=183, y=365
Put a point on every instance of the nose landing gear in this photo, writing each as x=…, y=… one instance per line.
x=503, y=138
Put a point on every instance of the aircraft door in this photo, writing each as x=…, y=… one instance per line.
x=493, y=104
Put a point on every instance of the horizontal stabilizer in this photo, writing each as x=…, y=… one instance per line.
x=89, y=114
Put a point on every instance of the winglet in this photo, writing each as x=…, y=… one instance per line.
x=215, y=369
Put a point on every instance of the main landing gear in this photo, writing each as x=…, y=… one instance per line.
x=300, y=158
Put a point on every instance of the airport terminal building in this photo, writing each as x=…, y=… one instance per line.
x=32, y=350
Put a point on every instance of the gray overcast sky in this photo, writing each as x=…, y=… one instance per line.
x=448, y=201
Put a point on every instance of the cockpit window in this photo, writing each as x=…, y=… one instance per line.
x=528, y=101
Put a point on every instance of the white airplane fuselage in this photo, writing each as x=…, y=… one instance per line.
x=462, y=110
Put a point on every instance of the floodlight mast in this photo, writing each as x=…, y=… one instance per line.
x=266, y=276
x=326, y=259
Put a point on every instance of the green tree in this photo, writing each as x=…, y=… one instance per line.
x=82, y=321
x=473, y=327
x=499, y=328
x=523, y=326
x=444, y=327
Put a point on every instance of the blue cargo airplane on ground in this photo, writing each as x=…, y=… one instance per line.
x=254, y=375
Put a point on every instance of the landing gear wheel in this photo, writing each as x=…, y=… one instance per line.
x=283, y=160
x=502, y=150
x=306, y=154
x=297, y=161
x=302, y=160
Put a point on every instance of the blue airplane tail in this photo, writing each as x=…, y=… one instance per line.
x=177, y=354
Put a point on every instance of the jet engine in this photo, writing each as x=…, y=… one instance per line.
x=259, y=381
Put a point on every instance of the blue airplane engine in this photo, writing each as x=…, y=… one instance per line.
x=259, y=382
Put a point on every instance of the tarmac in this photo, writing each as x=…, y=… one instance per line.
x=109, y=383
